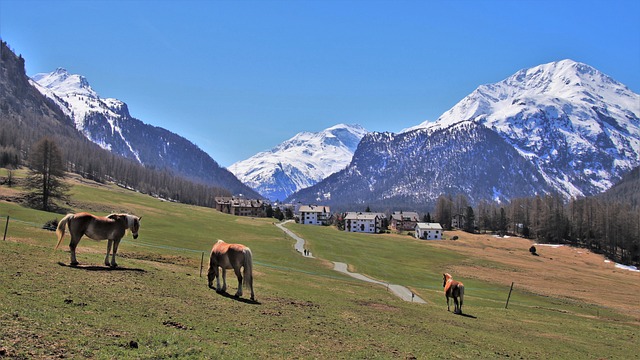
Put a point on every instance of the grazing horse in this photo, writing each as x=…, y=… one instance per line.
x=111, y=227
x=453, y=289
x=230, y=256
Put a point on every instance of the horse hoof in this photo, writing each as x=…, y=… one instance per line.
x=74, y=264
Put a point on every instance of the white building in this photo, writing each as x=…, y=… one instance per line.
x=314, y=215
x=363, y=222
x=428, y=231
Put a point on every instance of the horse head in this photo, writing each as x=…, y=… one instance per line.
x=445, y=278
x=134, y=224
x=131, y=222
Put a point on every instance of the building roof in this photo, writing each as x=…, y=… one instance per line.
x=239, y=202
x=405, y=215
x=363, y=216
x=428, y=226
x=314, y=209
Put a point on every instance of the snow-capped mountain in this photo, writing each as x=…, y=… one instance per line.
x=107, y=122
x=299, y=162
x=580, y=127
x=559, y=127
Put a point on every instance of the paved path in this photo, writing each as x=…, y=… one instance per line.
x=399, y=290
x=299, y=245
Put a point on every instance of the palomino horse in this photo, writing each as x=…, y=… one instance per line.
x=453, y=289
x=230, y=256
x=111, y=227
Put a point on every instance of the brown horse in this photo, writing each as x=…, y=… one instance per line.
x=111, y=227
x=230, y=256
x=453, y=289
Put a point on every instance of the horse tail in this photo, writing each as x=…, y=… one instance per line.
x=461, y=287
x=61, y=228
x=248, y=268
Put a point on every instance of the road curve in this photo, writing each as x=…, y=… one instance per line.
x=398, y=290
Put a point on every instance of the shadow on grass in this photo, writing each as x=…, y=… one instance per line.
x=467, y=315
x=239, y=299
x=100, y=268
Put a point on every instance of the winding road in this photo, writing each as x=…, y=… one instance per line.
x=398, y=290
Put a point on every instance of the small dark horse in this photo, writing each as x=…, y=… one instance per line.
x=231, y=256
x=111, y=227
x=453, y=289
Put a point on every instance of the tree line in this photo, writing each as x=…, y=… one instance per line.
x=91, y=162
x=598, y=223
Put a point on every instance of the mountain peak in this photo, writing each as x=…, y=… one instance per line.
x=578, y=125
x=301, y=161
x=61, y=82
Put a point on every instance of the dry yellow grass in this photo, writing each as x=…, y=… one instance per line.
x=564, y=272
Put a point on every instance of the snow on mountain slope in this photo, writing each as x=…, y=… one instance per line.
x=560, y=127
x=579, y=126
x=78, y=100
x=300, y=161
x=108, y=123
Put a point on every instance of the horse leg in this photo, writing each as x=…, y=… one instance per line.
x=224, y=281
x=115, y=251
x=73, y=244
x=239, y=276
x=106, y=258
x=456, y=305
x=448, y=309
x=212, y=275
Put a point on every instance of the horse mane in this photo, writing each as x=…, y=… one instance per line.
x=130, y=218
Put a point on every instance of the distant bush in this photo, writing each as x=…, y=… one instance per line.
x=51, y=225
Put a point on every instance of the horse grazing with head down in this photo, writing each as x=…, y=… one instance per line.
x=231, y=256
x=453, y=289
x=111, y=227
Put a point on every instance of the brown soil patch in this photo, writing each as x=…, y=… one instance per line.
x=562, y=272
x=378, y=306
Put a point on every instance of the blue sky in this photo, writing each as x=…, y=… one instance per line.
x=239, y=77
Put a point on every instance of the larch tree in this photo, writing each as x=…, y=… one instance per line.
x=45, y=174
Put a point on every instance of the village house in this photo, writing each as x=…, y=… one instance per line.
x=403, y=221
x=364, y=222
x=428, y=231
x=240, y=206
x=314, y=215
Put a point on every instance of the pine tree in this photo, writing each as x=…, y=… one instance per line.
x=470, y=219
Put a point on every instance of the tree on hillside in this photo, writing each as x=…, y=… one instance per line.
x=277, y=213
x=45, y=174
x=470, y=220
x=269, y=211
x=427, y=218
x=443, y=211
x=288, y=213
x=502, y=222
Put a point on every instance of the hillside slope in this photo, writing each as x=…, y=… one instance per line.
x=108, y=123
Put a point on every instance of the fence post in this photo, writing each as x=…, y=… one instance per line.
x=509, y=297
x=201, y=262
x=6, y=226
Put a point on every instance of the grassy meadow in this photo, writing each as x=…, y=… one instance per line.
x=156, y=305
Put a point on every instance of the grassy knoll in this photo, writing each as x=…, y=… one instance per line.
x=157, y=306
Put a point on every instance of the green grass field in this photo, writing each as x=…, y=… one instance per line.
x=156, y=305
